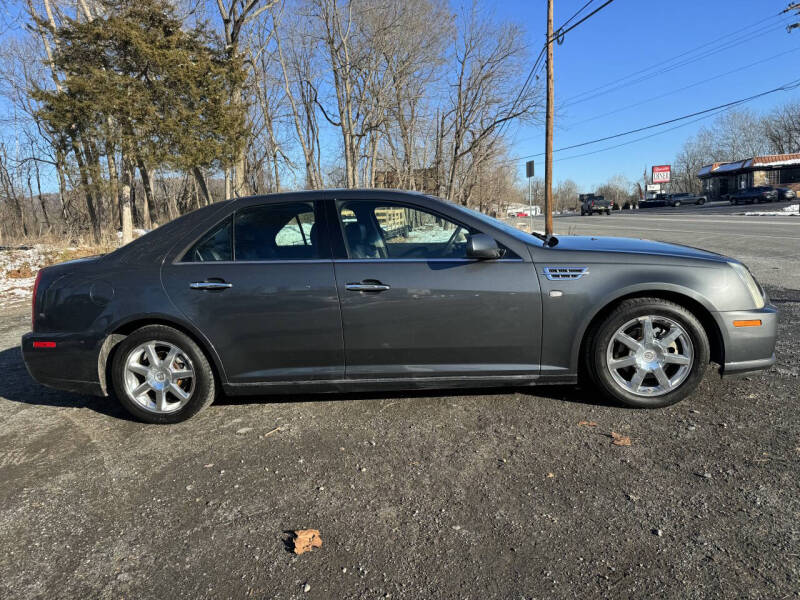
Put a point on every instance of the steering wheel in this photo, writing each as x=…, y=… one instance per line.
x=448, y=247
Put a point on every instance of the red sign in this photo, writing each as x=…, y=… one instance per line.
x=661, y=173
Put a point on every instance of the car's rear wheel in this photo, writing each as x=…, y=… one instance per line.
x=160, y=375
x=648, y=353
x=701, y=201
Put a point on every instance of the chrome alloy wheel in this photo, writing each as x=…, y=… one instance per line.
x=159, y=377
x=650, y=356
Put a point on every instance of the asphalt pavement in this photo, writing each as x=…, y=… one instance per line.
x=770, y=246
x=513, y=493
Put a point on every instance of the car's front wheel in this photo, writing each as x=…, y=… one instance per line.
x=160, y=375
x=648, y=353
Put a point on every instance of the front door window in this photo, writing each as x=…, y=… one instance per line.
x=397, y=231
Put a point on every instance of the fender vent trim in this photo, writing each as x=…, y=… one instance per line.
x=565, y=273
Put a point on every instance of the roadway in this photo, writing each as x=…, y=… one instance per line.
x=769, y=245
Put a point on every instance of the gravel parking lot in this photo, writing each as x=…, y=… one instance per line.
x=460, y=495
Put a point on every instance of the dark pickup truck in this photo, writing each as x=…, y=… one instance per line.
x=591, y=204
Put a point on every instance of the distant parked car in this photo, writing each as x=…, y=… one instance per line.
x=761, y=193
x=596, y=204
x=685, y=198
x=786, y=193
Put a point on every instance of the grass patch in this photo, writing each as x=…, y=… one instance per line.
x=59, y=256
x=23, y=272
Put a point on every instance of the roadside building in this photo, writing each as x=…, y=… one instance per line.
x=776, y=170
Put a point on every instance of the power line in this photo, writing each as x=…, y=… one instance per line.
x=644, y=137
x=537, y=63
x=686, y=87
x=559, y=34
x=650, y=72
x=579, y=11
x=787, y=86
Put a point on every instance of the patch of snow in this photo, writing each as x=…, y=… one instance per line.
x=779, y=163
x=137, y=232
x=793, y=210
x=19, y=289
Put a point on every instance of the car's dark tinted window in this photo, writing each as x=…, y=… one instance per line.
x=214, y=246
x=277, y=232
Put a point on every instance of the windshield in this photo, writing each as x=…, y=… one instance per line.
x=512, y=231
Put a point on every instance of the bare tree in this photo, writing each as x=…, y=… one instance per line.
x=487, y=91
x=236, y=15
x=782, y=128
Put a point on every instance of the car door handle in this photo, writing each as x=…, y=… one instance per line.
x=367, y=287
x=210, y=285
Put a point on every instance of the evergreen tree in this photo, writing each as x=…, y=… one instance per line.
x=148, y=91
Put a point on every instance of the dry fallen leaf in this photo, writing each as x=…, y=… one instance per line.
x=551, y=475
x=306, y=539
x=587, y=424
x=620, y=440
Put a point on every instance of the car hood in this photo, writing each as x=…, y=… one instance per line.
x=585, y=243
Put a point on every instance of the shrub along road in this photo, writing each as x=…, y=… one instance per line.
x=465, y=495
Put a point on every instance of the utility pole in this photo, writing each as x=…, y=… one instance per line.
x=548, y=148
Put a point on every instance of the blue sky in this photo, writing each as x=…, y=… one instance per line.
x=632, y=35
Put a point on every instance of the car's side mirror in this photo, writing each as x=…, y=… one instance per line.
x=483, y=247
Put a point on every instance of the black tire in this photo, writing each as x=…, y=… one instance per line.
x=701, y=201
x=204, y=389
x=676, y=204
x=600, y=337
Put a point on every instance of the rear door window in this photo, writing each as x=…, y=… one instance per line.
x=286, y=231
x=277, y=232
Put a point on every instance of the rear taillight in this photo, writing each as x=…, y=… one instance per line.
x=33, y=300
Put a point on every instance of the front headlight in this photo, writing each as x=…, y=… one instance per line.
x=750, y=283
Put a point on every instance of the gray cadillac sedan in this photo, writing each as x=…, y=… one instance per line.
x=345, y=290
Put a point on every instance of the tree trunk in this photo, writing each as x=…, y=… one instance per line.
x=41, y=198
x=113, y=180
x=125, y=205
x=62, y=185
x=103, y=205
x=201, y=183
x=240, y=166
x=150, y=208
x=85, y=183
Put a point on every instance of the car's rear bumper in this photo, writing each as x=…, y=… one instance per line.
x=749, y=348
x=70, y=365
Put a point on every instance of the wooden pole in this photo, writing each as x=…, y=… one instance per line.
x=548, y=163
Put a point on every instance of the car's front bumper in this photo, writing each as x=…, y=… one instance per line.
x=751, y=348
x=71, y=365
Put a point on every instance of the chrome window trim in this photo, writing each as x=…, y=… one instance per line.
x=344, y=260
x=257, y=262
x=423, y=260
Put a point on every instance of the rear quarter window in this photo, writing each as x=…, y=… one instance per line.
x=216, y=245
